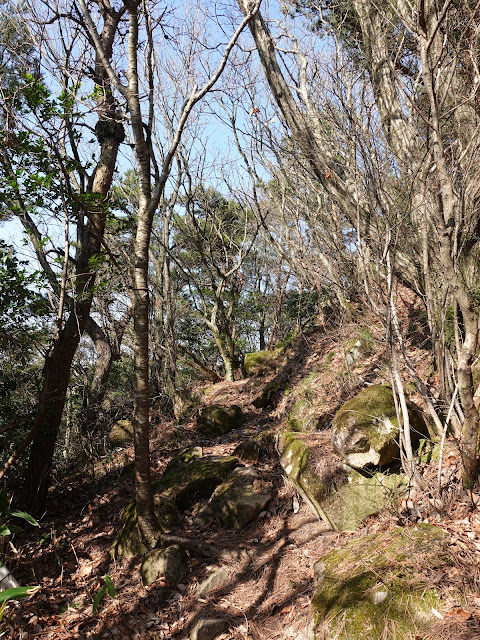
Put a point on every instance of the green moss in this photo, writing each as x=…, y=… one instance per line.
x=266, y=397
x=342, y=499
x=294, y=460
x=363, y=341
x=303, y=414
x=197, y=479
x=364, y=414
x=329, y=357
x=214, y=420
x=371, y=588
x=361, y=496
x=128, y=543
x=183, y=458
x=261, y=361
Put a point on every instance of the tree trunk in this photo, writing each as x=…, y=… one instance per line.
x=110, y=135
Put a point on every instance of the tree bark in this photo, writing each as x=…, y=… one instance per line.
x=58, y=362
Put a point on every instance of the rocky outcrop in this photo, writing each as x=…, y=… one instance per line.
x=188, y=479
x=303, y=412
x=169, y=564
x=214, y=420
x=216, y=579
x=261, y=362
x=189, y=482
x=365, y=431
x=342, y=497
x=238, y=500
x=248, y=451
x=373, y=587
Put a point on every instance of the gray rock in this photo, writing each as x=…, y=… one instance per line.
x=365, y=431
x=203, y=516
x=340, y=496
x=206, y=627
x=214, y=420
x=247, y=451
x=237, y=501
x=169, y=563
x=193, y=481
x=216, y=578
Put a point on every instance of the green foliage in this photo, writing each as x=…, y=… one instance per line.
x=6, y=515
x=22, y=313
x=18, y=302
x=108, y=587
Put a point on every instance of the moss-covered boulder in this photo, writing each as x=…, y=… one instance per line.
x=128, y=542
x=195, y=480
x=169, y=563
x=294, y=458
x=365, y=430
x=238, y=500
x=121, y=434
x=182, y=459
x=340, y=496
x=378, y=586
x=261, y=362
x=303, y=412
x=214, y=420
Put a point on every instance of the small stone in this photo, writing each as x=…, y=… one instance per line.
x=216, y=579
x=169, y=563
x=207, y=628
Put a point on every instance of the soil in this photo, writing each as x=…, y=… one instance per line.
x=269, y=589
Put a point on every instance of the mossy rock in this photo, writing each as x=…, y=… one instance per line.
x=236, y=501
x=182, y=459
x=121, y=434
x=196, y=480
x=361, y=495
x=294, y=459
x=260, y=362
x=366, y=431
x=303, y=413
x=214, y=420
x=374, y=587
x=128, y=542
x=341, y=497
x=169, y=563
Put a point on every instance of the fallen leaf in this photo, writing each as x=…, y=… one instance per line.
x=459, y=615
x=287, y=609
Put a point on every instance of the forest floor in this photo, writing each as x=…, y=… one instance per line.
x=268, y=593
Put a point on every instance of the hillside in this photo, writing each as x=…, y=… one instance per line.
x=268, y=571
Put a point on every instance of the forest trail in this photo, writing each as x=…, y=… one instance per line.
x=267, y=584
